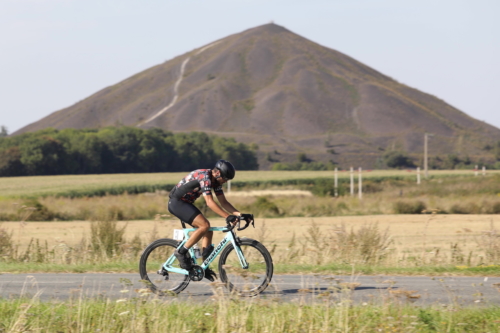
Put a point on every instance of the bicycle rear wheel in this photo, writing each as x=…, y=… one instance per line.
x=252, y=280
x=150, y=268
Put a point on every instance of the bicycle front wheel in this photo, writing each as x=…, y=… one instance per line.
x=152, y=272
x=249, y=281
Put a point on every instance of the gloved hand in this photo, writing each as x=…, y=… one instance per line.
x=231, y=219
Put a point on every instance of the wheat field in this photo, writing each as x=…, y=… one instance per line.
x=412, y=234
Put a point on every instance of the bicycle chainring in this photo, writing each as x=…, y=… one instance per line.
x=196, y=273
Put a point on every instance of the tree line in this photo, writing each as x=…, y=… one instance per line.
x=117, y=150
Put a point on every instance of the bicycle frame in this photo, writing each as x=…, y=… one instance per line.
x=230, y=237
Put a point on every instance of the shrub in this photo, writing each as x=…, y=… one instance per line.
x=399, y=160
x=409, y=207
x=370, y=186
x=342, y=206
x=264, y=207
x=492, y=208
x=468, y=208
x=325, y=188
x=33, y=210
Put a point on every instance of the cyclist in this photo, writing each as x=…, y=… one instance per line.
x=180, y=204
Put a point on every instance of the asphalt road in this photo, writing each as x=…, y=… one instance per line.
x=290, y=288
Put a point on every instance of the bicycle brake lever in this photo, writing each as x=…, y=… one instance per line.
x=231, y=226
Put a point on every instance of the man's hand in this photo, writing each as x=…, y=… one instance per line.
x=232, y=219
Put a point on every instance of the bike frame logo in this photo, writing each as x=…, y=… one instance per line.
x=216, y=251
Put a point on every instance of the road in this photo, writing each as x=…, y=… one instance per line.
x=312, y=288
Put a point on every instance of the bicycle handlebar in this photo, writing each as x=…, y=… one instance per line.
x=248, y=220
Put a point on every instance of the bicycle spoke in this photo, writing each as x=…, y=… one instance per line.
x=249, y=281
x=152, y=271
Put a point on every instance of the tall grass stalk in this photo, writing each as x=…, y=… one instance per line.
x=337, y=249
x=229, y=314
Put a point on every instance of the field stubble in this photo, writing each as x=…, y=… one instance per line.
x=297, y=244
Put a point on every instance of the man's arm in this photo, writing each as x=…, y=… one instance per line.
x=227, y=206
x=214, y=206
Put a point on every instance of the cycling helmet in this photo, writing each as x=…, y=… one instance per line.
x=227, y=170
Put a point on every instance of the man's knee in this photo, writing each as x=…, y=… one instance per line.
x=204, y=228
x=201, y=223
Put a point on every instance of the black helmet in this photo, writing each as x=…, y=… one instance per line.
x=227, y=170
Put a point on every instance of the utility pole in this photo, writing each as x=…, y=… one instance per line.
x=426, y=169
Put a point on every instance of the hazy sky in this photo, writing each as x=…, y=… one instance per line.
x=54, y=53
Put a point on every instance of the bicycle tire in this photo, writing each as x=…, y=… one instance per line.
x=151, y=262
x=253, y=280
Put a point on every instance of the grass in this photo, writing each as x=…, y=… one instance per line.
x=86, y=185
x=390, y=244
x=229, y=314
x=445, y=195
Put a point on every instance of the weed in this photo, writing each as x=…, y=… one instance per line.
x=489, y=242
x=106, y=237
x=368, y=244
x=6, y=243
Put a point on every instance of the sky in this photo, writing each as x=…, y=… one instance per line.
x=54, y=53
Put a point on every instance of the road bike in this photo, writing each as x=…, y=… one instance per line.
x=245, y=265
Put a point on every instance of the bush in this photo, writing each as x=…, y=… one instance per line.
x=469, y=208
x=264, y=207
x=409, y=207
x=398, y=160
x=372, y=187
x=495, y=208
x=32, y=210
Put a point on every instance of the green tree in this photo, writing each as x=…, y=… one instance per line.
x=117, y=150
x=398, y=160
x=10, y=163
x=124, y=145
x=157, y=152
x=194, y=150
x=3, y=132
x=42, y=156
x=496, y=151
x=239, y=154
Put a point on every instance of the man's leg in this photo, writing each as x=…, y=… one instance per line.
x=202, y=225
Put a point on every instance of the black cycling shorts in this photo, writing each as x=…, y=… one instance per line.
x=186, y=212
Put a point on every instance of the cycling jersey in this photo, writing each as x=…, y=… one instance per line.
x=193, y=185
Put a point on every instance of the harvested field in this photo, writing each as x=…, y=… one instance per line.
x=411, y=234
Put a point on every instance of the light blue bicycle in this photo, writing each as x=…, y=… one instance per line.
x=245, y=265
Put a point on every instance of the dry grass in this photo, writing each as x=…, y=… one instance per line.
x=47, y=185
x=411, y=239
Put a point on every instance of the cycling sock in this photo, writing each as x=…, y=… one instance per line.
x=183, y=250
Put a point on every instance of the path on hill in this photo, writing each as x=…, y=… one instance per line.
x=176, y=86
x=419, y=290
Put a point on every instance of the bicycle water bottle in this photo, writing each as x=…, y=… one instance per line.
x=197, y=252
